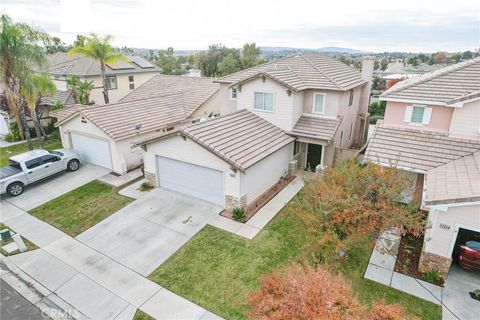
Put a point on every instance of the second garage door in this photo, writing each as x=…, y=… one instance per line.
x=196, y=181
x=95, y=151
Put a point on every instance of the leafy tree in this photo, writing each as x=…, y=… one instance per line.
x=72, y=84
x=467, y=55
x=351, y=200
x=169, y=63
x=209, y=60
x=377, y=108
x=228, y=65
x=456, y=58
x=99, y=49
x=151, y=56
x=56, y=45
x=423, y=57
x=80, y=41
x=250, y=56
x=439, y=57
x=20, y=53
x=32, y=89
x=384, y=64
x=378, y=83
x=312, y=293
x=84, y=89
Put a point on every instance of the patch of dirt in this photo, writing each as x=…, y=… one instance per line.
x=408, y=257
x=262, y=200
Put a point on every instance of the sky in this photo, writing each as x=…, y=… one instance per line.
x=370, y=25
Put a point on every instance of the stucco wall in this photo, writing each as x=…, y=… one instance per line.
x=176, y=147
x=264, y=174
x=440, y=119
x=282, y=115
x=466, y=121
x=218, y=103
x=443, y=233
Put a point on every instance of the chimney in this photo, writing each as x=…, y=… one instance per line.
x=368, y=63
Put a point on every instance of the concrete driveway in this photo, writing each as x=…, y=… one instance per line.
x=44, y=191
x=456, y=298
x=142, y=235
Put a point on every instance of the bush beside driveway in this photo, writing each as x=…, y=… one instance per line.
x=82, y=208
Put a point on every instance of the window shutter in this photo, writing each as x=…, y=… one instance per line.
x=408, y=114
x=427, y=115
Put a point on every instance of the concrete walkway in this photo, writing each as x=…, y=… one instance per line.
x=84, y=282
x=119, y=181
x=253, y=226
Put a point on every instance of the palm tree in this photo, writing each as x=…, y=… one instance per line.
x=84, y=89
x=20, y=52
x=32, y=89
x=72, y=84
x=99, y=49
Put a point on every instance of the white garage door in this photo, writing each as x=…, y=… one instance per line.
x=196, y=181
x=95, y=151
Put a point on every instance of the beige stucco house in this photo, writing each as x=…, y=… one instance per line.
x=104, y=135
x=122, y=77
x=432, y=130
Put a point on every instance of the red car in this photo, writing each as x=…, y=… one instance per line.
x=469, y=255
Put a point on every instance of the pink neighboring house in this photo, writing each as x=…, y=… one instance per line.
x=432, y=130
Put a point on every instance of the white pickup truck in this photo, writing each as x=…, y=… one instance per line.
x=33, y=166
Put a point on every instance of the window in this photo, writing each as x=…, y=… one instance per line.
x=350, y=100
x=131, y=82
x=233, y=93
x=417, y=114
x=111, y=82
x=296, y=148
x=263, y=101
x=30, y=164
x=351, y=129
x=50, y=158
x=319, y=103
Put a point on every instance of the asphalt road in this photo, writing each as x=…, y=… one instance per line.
x=15, y=307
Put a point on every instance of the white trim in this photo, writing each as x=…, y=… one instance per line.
x=383, y=164
x=322, y=156
x=454, y=238
x=231, y=93
x=435, y=103
x=432, y=230
x=315, y=101
x=444, y=207
x=273, y=101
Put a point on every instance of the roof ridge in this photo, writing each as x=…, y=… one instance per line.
x=316, y=68
x=433, y=75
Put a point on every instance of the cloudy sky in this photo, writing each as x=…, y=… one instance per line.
x=373, y=25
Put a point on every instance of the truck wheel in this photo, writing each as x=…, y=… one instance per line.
x=15, y=189
x=73, y=165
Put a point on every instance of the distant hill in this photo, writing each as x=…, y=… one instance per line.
x=270, y=50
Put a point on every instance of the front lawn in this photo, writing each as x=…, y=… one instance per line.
x=7, y=152
x=217, y=270
x=82, y=208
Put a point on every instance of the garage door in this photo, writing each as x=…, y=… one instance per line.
x=196, y=181
x=95, y=151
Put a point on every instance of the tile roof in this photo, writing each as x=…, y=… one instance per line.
x=442, y=85
x=118, y=120
x=62, y=96
x=241, y=138
x=195, y=90
x=304, y=71
x=455, y=181
x=414, y=149
x=316, y=127
x=60, y=64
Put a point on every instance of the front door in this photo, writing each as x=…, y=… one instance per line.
x=314, y=156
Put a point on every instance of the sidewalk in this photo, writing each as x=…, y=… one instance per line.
x=86, y=283
x=253, y=226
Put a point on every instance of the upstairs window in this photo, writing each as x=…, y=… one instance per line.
x=131, y=82
x=319, y=103
x=350, y=99
x=418, y=114
x=263, y=101
x=111, y=82
x=233, y=93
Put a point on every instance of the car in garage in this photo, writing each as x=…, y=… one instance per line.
x=467, y=249
x=33, y=166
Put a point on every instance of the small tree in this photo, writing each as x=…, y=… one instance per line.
x=72, y=85
x=84, y=89
x=228, y=65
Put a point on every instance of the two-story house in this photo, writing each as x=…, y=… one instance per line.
x=432, y=130
x=290, y=112
x=122, y=77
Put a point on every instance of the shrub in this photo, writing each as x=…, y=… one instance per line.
x=145, y=186
x=432, y=276
x=383, y=311
x=14, y=134
x=238, y=214
x=375, y=118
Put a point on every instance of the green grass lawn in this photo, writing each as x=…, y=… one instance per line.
x=7, y=152
x=82, y=208
x=217, y=269
x=140, y=315
x=30, y=246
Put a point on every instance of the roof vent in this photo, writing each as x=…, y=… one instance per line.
x=138, y=127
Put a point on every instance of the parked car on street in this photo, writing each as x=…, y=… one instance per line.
x=33, y=166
